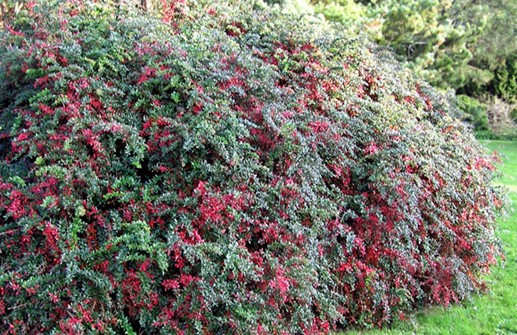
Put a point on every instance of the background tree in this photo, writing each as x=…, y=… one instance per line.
x=464, y=45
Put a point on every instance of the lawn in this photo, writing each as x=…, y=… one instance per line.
x=496, y=311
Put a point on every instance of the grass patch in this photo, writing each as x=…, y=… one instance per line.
x=491, y=313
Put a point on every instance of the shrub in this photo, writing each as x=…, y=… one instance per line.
x=489, y=135
x=504, y=84
x=475, y=111
x=513, y=115
x=225, y=173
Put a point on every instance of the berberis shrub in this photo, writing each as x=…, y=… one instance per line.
x=215, y=172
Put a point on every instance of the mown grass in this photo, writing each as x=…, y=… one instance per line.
x=494, y=312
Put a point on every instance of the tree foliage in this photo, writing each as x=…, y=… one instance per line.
x=464, y=45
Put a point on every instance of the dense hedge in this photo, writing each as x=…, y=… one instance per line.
x=225, y=173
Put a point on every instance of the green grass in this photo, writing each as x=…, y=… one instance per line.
x=491, y=313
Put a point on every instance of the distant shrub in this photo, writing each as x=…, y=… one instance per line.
x=475, y=112
x=489, y=135
x=504, y=84
x=513, y=115
x=233, y=171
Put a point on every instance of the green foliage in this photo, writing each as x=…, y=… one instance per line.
x=476, y=112
x=490, y=135
x=9, y=9
x=513, y=115
x=497, y=43
x=346, y=12
x=504, y=84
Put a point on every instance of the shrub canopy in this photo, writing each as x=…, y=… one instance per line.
x=227, y=171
